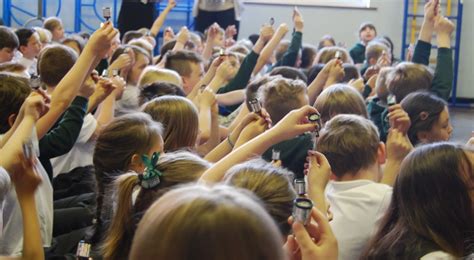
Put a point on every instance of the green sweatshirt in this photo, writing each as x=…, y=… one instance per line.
x=358, y=53
x=441, y=84
x=291, y=55
x=242, y=77
x=60, y=139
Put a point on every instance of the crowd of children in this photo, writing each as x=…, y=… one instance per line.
x=220, y=149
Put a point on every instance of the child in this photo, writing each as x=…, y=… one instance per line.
x=30, y=47
x=158, y=89
x=174, y=169
x=352, y=146
x=429, y=118
x=279, y=97
x=55, y=26
x=421, y=221
x=329, y=53
x=8, y=44
x=367, y=33
x=119, y=149
x=374, y=51
x=189, y=66
x=152, y=74
x=75, y=42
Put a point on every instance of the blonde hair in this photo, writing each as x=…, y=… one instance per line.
x=176, y=168
x=179, y=117
x=374, y=50
x=152, y=74
x=408, y=77
x=45, y=35
x=326, y=54
x=271, y=184
x=144, y=44
x=381, y=84
x=52, y=23
x=199, y=222
x=340, y=99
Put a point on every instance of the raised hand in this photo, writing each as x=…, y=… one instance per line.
x=399, y=119
x=183, y=35
x=266, y=33
x=398, y=145
x=101, y=40
x=294, y=123
x=298, y=20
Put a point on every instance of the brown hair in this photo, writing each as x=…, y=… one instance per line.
x=51, y=23
x=13, y=92
x=280, y=96
x=340, y=99
x=176, y=168
x=350, y=72
x=326, y=54
x=130, y=35
x=271, y=184
x=12, y=66
x=158, y=89
x=76, y=39
x=179, y=117
x=134, y=133
x=324, y=39
x=281, y=49
x=431, y=208
x=365, y=25
x=374, y=50
x=211, y=223
x=54, y=62
x=180, y=61
x=350, y=143
x=408, y=77
x=308, y=55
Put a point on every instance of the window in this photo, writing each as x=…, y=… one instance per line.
x=332, y=3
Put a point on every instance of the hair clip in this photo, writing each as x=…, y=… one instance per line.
x=151, y=176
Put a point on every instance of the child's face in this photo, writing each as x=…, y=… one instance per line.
x=33, y=47
x=58, y=33
x=367, y=34
x=442, y=129
x=6, y=54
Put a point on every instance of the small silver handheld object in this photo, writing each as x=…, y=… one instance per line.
x=302, y=210
x=300, y=187
x=106, y=13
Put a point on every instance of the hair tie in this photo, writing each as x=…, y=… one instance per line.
x=151, y=176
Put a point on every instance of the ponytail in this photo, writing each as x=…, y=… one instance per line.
x=120, y=234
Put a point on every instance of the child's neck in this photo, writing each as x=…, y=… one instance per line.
x=28, y=56
x=371, y=173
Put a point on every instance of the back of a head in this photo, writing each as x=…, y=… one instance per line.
x=207, y=223
x=54, y=62
x=422, y=218
x=75, y=40
x=313, y=72
x=340, y=99
x=13, y=92
x=152, y=74
x=130, y=35
x=350, y=72
x=176, y=168
x=269, y=183
x=252, y=89
x=408, y=77
x=289, y=73
x=326, y=41
x=180, y=61
x=326, y=54
x=281, y=95
x=158, y=89
x=424, y=109
x=179, y=117
x=308, y=54
x=374, y=51
x=8, y=39
x=51, y=23
x=44, y=35
x=381, y=83
x=350, y=143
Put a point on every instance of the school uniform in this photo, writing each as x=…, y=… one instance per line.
x=358, y=53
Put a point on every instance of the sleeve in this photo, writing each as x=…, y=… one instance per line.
x=443, y=78
x=357, y=53
x=62, y=138
x=291, y=55
x=243, y=75
x=422, y=53
x=367, y=90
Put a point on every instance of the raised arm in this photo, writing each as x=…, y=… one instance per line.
x=158, y=23
x=269, y=49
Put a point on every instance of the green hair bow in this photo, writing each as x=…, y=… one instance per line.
x=151, y=176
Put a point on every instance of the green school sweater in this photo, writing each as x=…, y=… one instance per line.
x=441, y=85
x=358, y=53
x=291, y=55
x=61, y=138
x=242, y=77
x=293, y=153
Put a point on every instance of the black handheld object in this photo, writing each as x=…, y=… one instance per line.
x=302, y=210
x=272, y=21
x=106, y=13
x=255, y=106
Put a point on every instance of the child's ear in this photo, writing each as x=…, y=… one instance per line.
x=136, y=163
x=11, y=120
x=381, y=153
x=22, y=49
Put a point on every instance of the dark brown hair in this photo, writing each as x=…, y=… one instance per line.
x=180, y=61
x=13, y=92
x=54, y=62
x=431, y=208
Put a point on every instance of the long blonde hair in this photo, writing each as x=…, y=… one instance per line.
x=176, y=168
x=179, y=117
x=200, y=222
